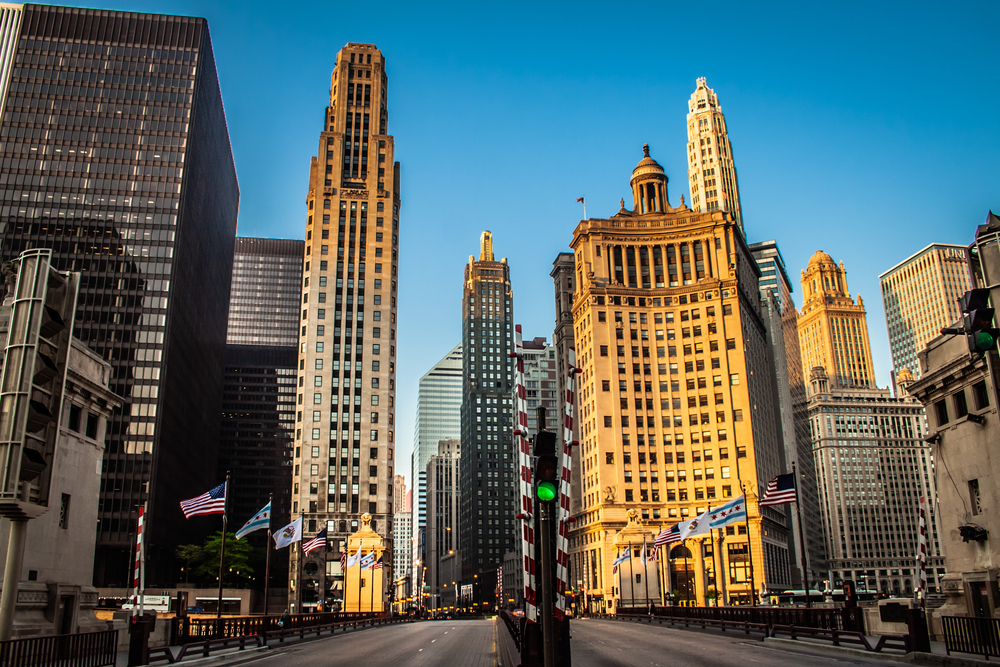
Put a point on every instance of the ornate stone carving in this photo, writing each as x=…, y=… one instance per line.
x=354, y=194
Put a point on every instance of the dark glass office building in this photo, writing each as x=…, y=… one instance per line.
x=114, y=152
x=258, y=401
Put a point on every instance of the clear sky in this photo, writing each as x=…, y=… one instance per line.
x=868, y=130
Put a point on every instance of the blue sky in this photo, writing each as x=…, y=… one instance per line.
x=866, y=130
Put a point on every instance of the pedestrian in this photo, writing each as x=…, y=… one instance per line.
x=285, y=620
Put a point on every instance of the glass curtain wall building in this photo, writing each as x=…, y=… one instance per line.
x=114, y=152
x=439, y=417
x=258, y=420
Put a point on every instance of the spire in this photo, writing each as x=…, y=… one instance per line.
x=486, y=247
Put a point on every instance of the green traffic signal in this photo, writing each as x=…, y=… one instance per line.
x=547, y=491
x=984, y=340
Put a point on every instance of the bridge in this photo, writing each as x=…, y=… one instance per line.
x=595, y=643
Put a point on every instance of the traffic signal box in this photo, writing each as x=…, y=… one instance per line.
x=546, y=466
x=978, y=321
x=35, y=359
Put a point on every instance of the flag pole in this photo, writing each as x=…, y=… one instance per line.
x=371, y=580
x=142, y=562
x=222, y=551
x=802, y=537
x=299, y=565
x=361, y=578
x=267, y=552
x=753, y=586
x=715, y=569
x=645, y=568
x=631, y=576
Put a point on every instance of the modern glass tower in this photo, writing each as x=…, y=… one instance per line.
x=114, y=152
x=258, y=403
x=345, y=421
x=439, y=417
x=486, y=477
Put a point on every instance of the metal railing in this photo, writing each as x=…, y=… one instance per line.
x=186, y=630
x=845, y=618
x=971, y=635
x=90, y=649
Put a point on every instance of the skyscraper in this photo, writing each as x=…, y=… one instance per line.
x=442, y=530
x=486, y=480
x=872, y=467
x=115, y=153
x=711, y=170
x=782, y=318
x=833, y=329
x=677, y=406
x=439, y=417
x=920, y=295
x=344, y=438
x=258, y=396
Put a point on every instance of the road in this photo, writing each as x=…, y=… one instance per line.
x=602, y=643
x=428, y=643
x=596, y=643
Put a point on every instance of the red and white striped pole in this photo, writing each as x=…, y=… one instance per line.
x=566, y=469
x=138, y=558
x=526, y=511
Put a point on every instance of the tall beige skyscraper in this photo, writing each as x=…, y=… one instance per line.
x=344, y=442
x=921, y=296
x=711, y=171
x=833, y=328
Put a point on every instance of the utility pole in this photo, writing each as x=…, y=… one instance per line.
x=546, y=491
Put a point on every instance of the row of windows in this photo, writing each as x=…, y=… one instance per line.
x=960, y=403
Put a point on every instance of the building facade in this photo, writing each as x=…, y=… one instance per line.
x=541, y=386
x=711, y=170
x=443, y=529
x=920, y=296
x=873, y=467
x=676, y=402
x=486, y=473
x=345, y=422
x=833, y=328
x=401, y=529
x=782, y=317
x=258, y=395
x=439, y=417
x=114, y=152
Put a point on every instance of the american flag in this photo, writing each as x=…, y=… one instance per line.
x=315, y=543
x=343, y=558
x=780, y=490
x=668, y=536
x=579, y=200
x=377, y=566
x=210, y=502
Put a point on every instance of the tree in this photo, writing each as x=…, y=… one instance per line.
x=203, y=560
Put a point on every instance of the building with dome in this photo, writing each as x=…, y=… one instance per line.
x=677, y=404
x=833, y=329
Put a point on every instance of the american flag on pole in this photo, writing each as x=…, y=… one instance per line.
x=376, y=565
x=343, y=558
x=668, y=536
x=780, y=491
x=210, y=502
x=315, y=543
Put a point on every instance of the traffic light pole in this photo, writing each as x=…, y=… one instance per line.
x=547, y=565
x=12, y=573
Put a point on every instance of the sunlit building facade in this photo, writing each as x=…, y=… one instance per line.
x=345, y=422
x=711, y=170
x=677, y=409
x=920, y=296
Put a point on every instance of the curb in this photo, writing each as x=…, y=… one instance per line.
x=913, y=657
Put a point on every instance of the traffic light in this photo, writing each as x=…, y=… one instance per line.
x=32, y=379
x=546, y=466
x=978, y=321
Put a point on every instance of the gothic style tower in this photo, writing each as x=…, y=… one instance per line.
x=710, y=157
x=486, y=473
x=833, y=329
x=344, y=441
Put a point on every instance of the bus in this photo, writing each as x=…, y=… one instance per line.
x=157, y=603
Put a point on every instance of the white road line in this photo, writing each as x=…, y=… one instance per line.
x=433, y=640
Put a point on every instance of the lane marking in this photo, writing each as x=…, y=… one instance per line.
x=433, y=640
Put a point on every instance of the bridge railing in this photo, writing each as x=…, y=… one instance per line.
x=848, y=619
x=971, y=635
x=186, y=630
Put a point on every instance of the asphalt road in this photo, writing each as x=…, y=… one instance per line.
x=602, y=643
x=427, y=643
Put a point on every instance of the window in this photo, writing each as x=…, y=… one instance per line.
x=961, y=406
x=724, y=472
x=609, y=458
x=974, y=497
x=607, y=420
x=734, y=378
x=314, y=469
x=602, y=316
x=314, y=451
x=981, y=395
x=604, y=350
x=942, y=412
x=91, y=425
x=606, y=385
x=64, y=511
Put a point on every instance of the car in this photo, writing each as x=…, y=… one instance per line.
x=517, y=613
x=195, y=609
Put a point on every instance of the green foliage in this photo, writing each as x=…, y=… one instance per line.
x=201, y=562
